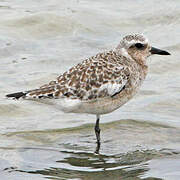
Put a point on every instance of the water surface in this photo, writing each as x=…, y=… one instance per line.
x=40, y=40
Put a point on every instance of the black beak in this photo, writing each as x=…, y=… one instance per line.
x=158, y=51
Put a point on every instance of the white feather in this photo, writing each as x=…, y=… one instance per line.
x=112, y=88
x=124, y=52
x=132, y=42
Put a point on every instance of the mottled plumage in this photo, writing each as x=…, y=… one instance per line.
x=97, y=77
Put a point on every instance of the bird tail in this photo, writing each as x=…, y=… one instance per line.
x=16, y=95
x=43, y=92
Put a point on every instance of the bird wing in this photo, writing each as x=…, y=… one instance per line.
x=97, y=77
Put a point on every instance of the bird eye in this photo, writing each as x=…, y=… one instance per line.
x=139, y=45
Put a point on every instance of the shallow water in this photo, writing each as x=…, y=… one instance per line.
x=41, y=39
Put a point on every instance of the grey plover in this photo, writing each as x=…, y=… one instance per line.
x=101, y=83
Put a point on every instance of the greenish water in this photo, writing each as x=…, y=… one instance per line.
x=127, y=152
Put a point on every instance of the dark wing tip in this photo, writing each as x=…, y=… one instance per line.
x=16, y=95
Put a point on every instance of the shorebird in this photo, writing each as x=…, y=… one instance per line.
x=101, y=83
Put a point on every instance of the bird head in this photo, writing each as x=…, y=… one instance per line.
x=137, y=47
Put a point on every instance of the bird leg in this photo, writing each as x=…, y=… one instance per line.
x=97, y=132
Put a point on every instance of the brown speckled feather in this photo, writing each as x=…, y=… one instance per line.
x=99, y=76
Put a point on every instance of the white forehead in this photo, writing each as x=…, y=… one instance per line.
x=129, y=40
